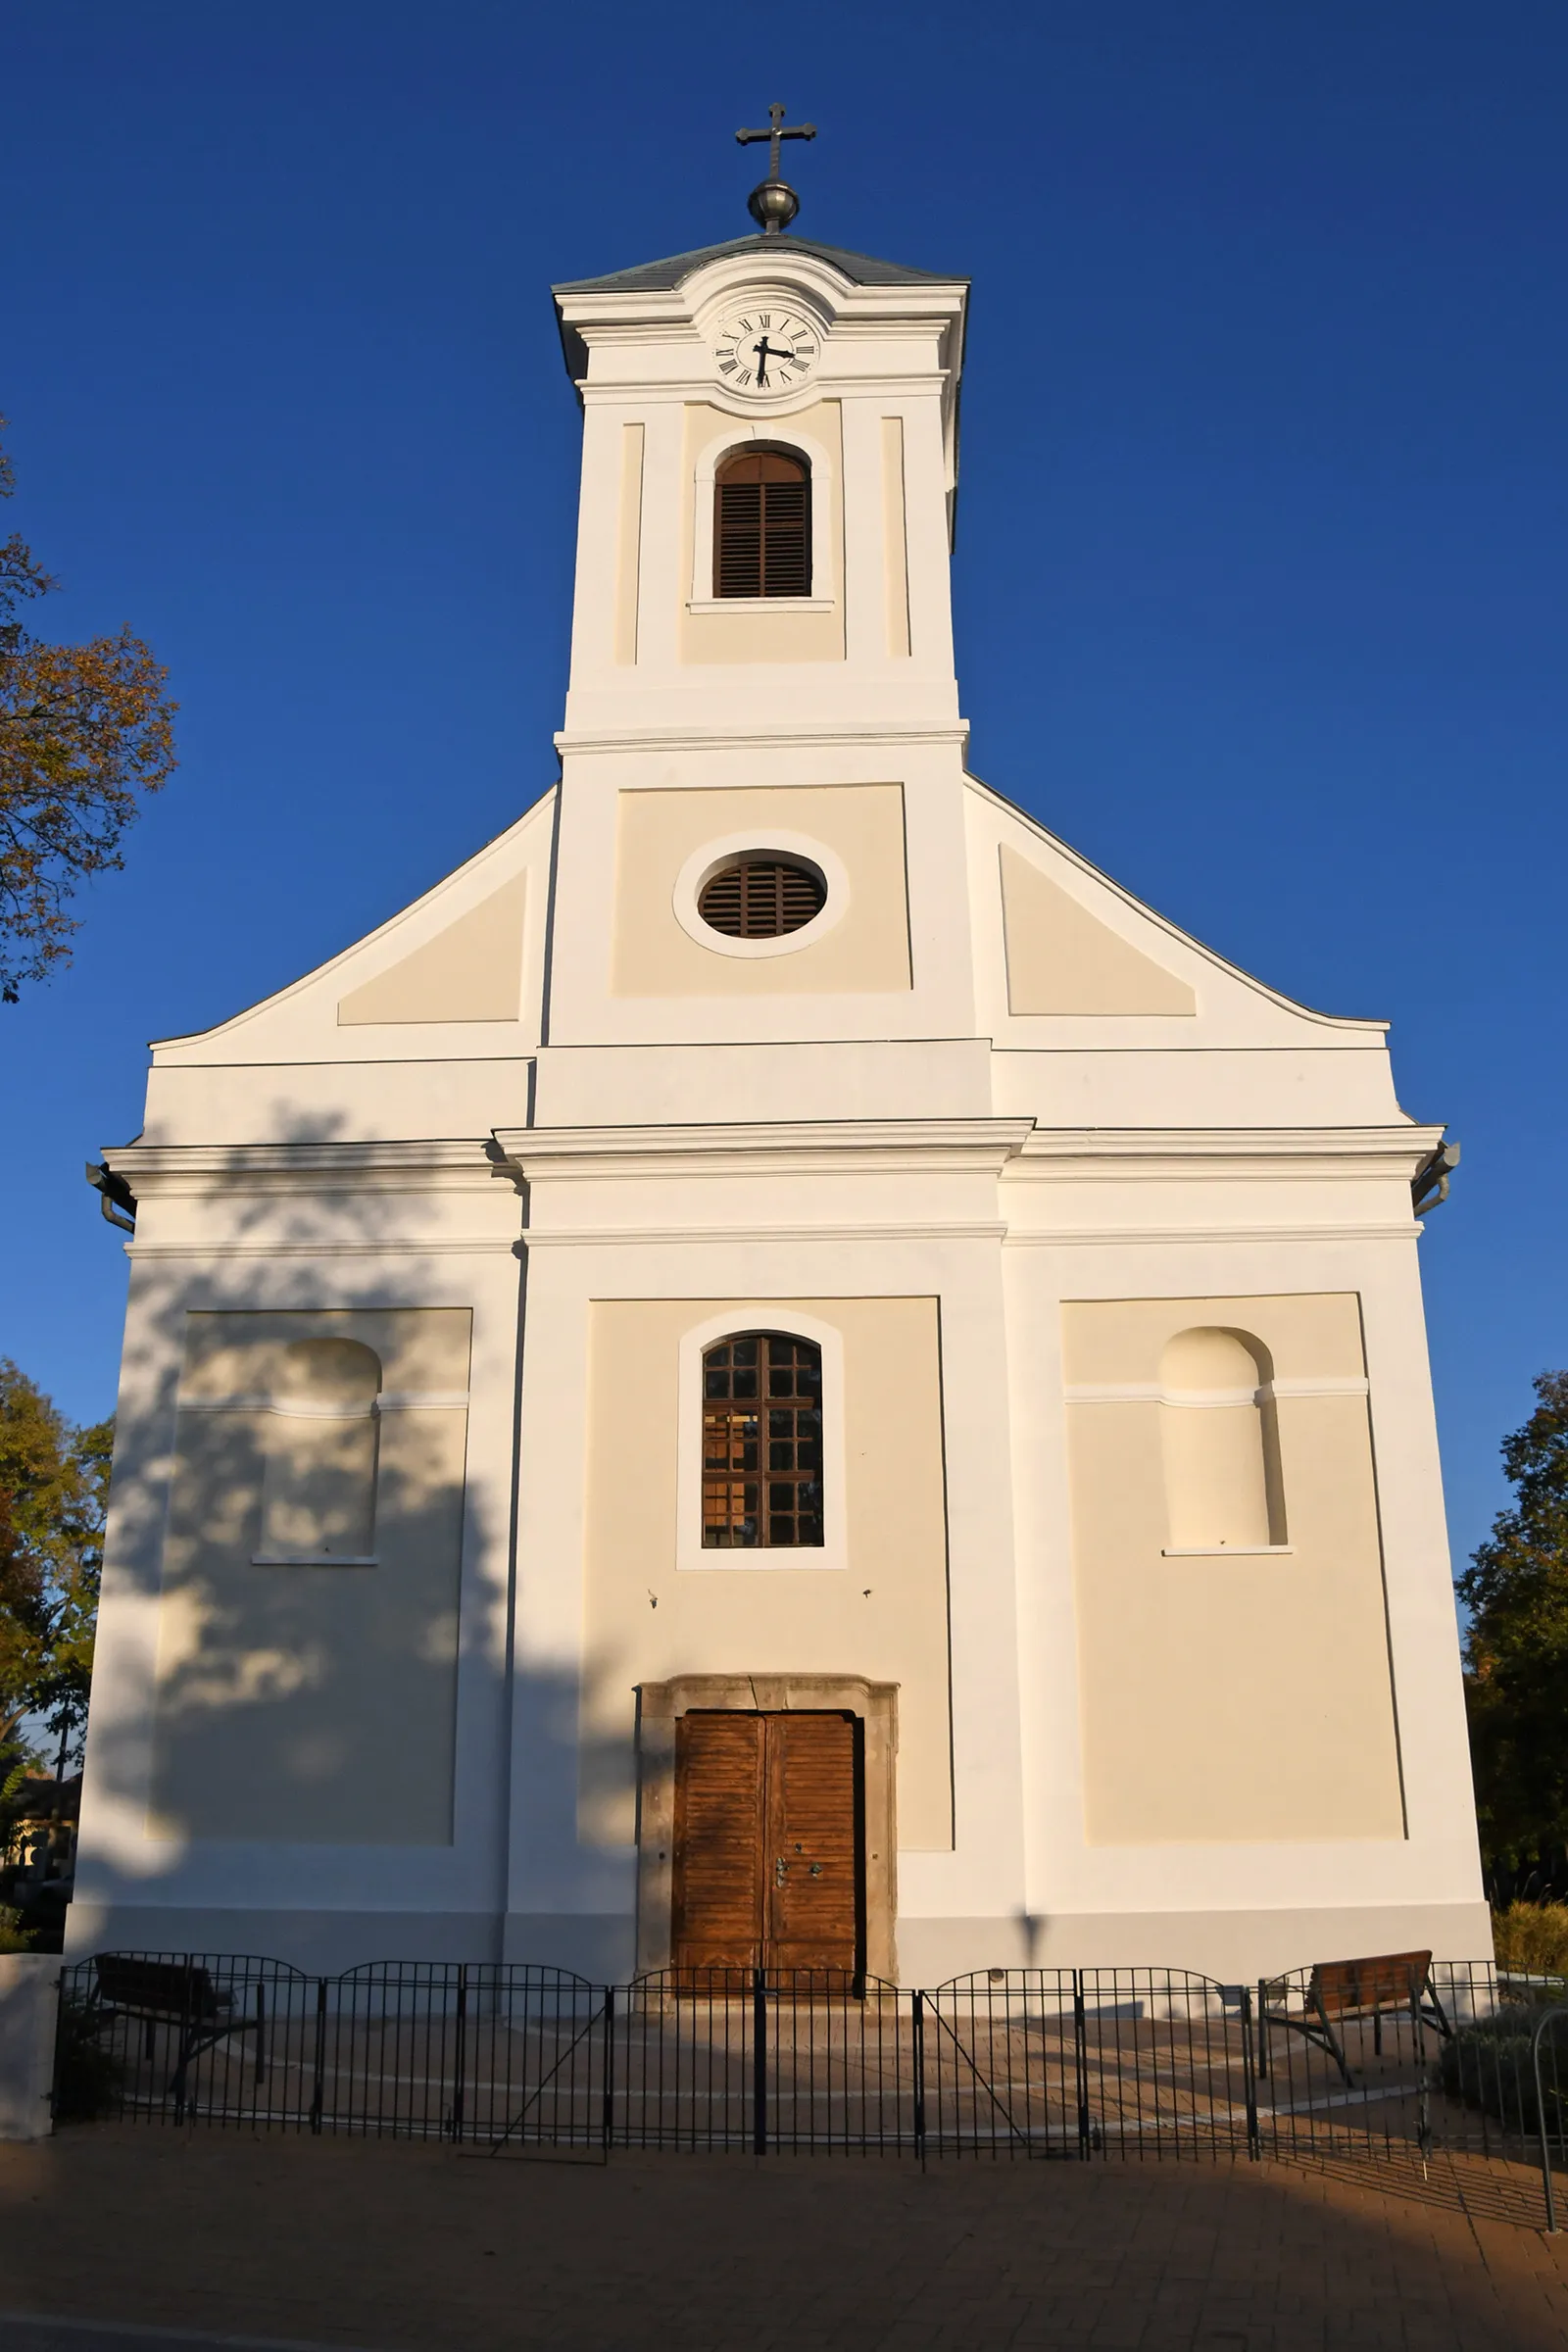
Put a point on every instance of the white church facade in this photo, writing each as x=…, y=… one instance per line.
x=778, y=1372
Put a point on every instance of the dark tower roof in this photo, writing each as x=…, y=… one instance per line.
x=662, y=277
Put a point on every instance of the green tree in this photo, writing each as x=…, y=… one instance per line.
x=1516, y=1666
x=83, y=730
x=54, y=1493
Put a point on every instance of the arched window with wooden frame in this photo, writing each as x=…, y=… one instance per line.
x=761, y=1443
x=763, y=524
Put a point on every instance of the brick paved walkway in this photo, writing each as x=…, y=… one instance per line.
x=409, y=2248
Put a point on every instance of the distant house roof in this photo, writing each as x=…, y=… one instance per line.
x=47, y=1800
x=662, y=277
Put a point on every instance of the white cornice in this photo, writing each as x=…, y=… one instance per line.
x=1117, y=1237
x=1131, y=1154
x=727, y=1236
x=779, y=270
x=1016, y=1149
x=721, y=738
x=648, y=391
x=438, y=1164
x=218, y=1253
x=982, y=1147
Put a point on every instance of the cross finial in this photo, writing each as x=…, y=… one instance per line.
x=771, y=204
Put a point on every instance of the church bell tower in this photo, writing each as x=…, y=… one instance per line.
x=762, y=664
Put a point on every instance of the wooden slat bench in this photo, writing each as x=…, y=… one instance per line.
x=182, y=1995
x=1386, y=1984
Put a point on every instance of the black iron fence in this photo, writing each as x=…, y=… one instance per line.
x=1077, y=2063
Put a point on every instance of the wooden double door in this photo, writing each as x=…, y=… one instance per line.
x=769, y=1840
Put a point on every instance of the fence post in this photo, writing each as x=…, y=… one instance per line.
x=607, y=2118
x=758, y=2063
x=917, y=2016
x=1262, y=2030
x=1255, y=2142
x=1424, y=2107
x=1080, y=2056
x=1541, y=2119
x=461, y=2059
x=178, y=2083
x=56, y=2063
x=318, y=2086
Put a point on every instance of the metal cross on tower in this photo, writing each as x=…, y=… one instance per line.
x=772, y=203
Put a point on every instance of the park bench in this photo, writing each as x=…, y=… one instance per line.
x=181, y=1994
x=1388, y=1984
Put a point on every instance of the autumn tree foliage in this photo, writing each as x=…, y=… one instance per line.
x=1516, y=1667
x=54, y=1495
x=84, y=731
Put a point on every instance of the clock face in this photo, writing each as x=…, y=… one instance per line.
x=766, y=350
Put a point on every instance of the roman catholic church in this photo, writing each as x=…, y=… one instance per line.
x=776, y=1372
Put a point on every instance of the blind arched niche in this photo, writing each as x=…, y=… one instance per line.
x=318, y=1485
x=1220, y=1443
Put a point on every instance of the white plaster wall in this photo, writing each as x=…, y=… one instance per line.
x=29, y=2002
x=585, y=1007
x=312, y=1703
x=660, y=945
x=552, y=1871
x=1432, y=1873
x=872, y=1601
x=226, y=1238
x=336, y=1102
x=1257, y=1682
x=654, y=1085
x=922, y=1142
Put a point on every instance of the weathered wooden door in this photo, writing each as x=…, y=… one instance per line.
x=768, y=1842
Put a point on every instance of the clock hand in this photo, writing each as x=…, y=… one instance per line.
x=765, y=352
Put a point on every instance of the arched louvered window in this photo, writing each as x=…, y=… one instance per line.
x=761, y=897
x=761, y=1441
x=762, y=526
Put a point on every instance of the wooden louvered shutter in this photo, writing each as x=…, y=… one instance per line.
x=763, y=527
x=718, y=1841
x=761, y=897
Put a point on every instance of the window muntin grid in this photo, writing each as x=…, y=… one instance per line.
x=761, y=1443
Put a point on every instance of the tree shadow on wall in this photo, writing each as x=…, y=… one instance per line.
x=319, y=1705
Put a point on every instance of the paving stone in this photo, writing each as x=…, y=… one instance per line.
x=395, y=2247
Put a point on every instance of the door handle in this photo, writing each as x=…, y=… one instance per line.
x=780, y=1866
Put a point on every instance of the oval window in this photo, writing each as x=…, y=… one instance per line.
x=761, y=897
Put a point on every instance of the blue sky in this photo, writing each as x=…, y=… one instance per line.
x=1262, y=551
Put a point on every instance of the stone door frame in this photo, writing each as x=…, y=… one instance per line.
x=661, y=1705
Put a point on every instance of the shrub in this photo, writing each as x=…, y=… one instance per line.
x=1532, y=1938
x=14, y=1937
x=1491, y=2065
x=87, y=2074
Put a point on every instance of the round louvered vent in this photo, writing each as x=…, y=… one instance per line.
x=761, y=897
